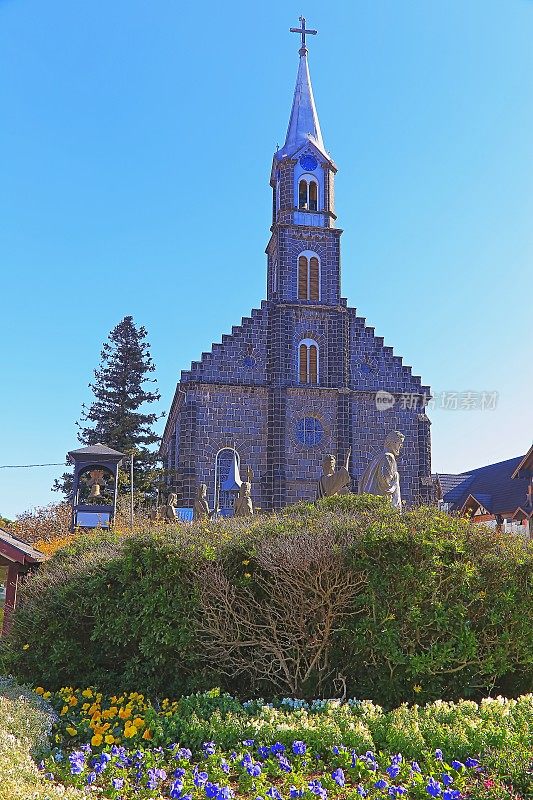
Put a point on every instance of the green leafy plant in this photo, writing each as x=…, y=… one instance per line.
x=351, y=599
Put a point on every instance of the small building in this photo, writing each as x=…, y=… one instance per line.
x=20, y=558
x=499, y=495
x=525, y=470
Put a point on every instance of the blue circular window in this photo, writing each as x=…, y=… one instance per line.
x=309, y=162
x=309, y=431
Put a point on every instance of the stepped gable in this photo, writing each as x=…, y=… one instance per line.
x=240, y=358
x=373, y=365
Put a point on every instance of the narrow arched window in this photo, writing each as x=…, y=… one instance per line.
x=303, y=363
x=308, y=362
x=313, y=196
x=308, y=194
x=313, y=364
x=308, y=277
x=314, y=278
x=303, y=269
x=302, y=194
x=224, y=463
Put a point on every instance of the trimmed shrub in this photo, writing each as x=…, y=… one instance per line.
x=347, y=598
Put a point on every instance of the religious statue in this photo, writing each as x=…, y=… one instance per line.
x=243, y=502
x=200, y=508
x=169, y=509
x=333, y=482
x=381, y=476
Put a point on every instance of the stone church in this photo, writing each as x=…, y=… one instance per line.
x=303, y=375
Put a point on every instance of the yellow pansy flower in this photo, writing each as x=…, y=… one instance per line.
x=130, y=731
x=138, y=722
x=25, y=647
x=109, y=739
x=39, y=690
x=87, y=693
x=63, y=711
x=70, y=729
x=97, y=740
x=73, y=701
x=147, y=734
x=47, y=695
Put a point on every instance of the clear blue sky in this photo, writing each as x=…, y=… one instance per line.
x=136, y=141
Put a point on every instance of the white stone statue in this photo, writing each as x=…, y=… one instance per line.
x=381, y=476
x=243, y=503
x=333, y=482
x=201, y=508
x=169, y=509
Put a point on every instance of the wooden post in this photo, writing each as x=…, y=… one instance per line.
x=11, y=596
x=131, y=491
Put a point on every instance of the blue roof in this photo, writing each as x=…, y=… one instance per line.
x=492, y=486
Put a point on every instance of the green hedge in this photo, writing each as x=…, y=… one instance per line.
x=435, y=608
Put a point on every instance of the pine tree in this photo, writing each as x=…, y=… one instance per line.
x=117, y=417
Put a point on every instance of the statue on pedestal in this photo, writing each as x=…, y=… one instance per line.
x=381, y=477
x=333, y=482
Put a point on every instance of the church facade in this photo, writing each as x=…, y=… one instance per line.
x=303, y=375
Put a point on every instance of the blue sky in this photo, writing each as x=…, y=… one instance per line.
x=136, y=142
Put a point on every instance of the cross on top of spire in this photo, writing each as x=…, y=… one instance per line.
x=302, y=30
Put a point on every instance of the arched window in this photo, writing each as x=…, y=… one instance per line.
x=308, y=362
x=313, y=196
x=223, y=467
x=308, y=277
x=308, y=194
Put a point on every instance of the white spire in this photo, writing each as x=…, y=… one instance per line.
x=303, y=123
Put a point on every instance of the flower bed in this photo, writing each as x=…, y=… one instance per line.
x=463, y=728
x=274, y=772
x=211, y=747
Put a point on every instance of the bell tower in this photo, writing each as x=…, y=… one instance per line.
x=303, y=251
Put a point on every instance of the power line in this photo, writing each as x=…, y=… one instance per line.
x=27, y=466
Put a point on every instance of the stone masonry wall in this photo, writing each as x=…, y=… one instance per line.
x=218, y=416
x=290, y=241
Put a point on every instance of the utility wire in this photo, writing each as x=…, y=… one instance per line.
x=27, y=466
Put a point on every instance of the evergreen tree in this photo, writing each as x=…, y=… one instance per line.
x=117, y=417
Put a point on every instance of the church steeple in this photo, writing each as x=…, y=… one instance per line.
x=303, y=123
x=303, y=251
